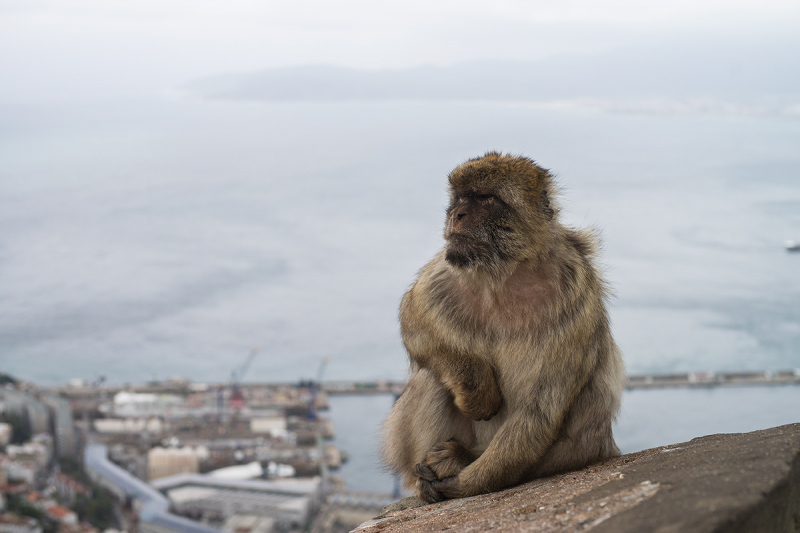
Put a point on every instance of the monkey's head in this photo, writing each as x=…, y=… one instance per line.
x=500, y=211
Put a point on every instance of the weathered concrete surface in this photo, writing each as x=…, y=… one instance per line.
x=748, y=482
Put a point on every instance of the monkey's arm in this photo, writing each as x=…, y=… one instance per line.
x=469, y=378
x=435, y=340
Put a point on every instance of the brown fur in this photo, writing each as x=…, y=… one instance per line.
x=515, y=374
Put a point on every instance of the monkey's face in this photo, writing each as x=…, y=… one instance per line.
x=499, y=211
x=477, y=229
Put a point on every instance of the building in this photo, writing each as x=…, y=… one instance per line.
x=163, y=462
x=5, y=433
x=251, y=470
x=32, y=413
x=63, y=429
x=143, y=404
x=345, y=511
x=248, y=524
x=129, y=426
x=20, y=471
x=151, y=506
x=61, y=514
x=68, y=488
x=274, y=425
x=37, y=452
x=291, y=503
x=10, y=523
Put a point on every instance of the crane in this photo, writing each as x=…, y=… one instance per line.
x=314, y=389
x=237, y=398
x=237, y=376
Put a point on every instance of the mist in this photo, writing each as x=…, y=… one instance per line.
x=182, y=182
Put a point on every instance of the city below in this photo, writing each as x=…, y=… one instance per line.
x=178, y=456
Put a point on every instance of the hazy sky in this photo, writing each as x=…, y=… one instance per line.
x=66, y=49
x=181, y=231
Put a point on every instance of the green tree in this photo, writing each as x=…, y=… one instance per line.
x=73, y=468
x=97, y=509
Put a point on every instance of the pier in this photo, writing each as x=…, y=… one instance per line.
x=636, y=381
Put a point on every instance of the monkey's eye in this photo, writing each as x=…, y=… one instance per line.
x=485, y=199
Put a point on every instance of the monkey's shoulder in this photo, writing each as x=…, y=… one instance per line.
x=584, y=241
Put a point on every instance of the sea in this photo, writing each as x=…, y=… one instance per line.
x=164, y=237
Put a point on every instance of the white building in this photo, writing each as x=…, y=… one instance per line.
x=251, y=470
x=141, y=404
x=163, y=462
x=275, y=426
x=35, y=451
x=10, y=523
x=129, y=426
x=248, y=524
x=5, y=433
x=291, y=503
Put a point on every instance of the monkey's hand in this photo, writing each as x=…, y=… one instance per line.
x=475, y=392
x=437, y=477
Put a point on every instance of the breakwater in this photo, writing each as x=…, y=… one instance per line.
x=637, y=381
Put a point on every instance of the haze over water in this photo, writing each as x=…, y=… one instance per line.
x=168, y=237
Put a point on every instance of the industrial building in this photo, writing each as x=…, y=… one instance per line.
x=291, y=502
x=288, y=505
x=28, y=408
x=152, y=506
x=63, y=428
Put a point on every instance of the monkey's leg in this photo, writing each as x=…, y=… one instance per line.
x=423, y=416
x=520, y=444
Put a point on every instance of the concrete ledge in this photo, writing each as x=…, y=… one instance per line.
x=747, y=482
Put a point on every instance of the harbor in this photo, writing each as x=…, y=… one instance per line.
x=635, y=381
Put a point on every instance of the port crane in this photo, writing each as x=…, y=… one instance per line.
x=314, y=388
x=236, y=401
x=238, y=375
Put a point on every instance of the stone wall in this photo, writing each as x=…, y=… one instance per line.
x=747, y=482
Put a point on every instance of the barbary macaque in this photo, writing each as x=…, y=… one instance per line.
x=514, y=372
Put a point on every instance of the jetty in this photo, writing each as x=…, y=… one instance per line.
x=635, y=381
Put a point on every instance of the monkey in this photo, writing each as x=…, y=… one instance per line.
x=515, y=374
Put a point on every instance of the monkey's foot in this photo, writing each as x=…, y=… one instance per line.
x=431, y=489
x=437, y=477
x=448, y=459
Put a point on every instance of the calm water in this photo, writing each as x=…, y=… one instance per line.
x=649, y=418
x=149, y=239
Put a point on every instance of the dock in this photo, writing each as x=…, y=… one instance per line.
x=635, y=381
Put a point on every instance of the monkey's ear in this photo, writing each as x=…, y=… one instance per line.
x=544, y=205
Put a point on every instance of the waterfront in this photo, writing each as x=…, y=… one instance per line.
x=649, y=418
x=170, y=445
